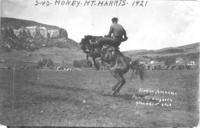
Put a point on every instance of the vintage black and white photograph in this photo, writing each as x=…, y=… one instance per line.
x=99, y=63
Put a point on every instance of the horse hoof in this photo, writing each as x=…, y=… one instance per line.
x=114, y=93
x=113, y=89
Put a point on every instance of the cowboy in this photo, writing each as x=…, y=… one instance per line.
x=117, y=32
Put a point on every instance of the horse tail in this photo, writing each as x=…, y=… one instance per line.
x=137, y=68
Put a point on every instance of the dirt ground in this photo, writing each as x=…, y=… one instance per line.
x=82, y=98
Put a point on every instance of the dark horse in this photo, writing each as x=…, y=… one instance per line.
x=87, y=46
x=92, y=45
x=119, y=64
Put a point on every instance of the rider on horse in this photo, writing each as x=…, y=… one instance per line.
x=117, y=33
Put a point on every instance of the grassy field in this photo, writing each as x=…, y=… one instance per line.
x=82, y=98
x=56, y=54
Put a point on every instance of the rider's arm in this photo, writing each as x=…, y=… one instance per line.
x=124, y=32
x=125, y=36
x=110, y=31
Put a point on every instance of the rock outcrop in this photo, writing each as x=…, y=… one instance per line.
x=30, y=35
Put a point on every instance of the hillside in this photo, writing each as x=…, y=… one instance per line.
x=18, y=23
x=187, y=52
x=31, y=31
x=30, y=41
x=191, y=48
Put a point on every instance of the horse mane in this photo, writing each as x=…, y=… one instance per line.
x=85, y=42
x=99, y=39
x=90, y=37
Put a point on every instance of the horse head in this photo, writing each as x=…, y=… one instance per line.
x=85, y=44
x=89, y=44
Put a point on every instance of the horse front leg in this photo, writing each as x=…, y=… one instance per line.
x=95, y=63
x=87, y=58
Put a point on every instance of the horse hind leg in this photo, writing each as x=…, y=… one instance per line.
x=116, y=76
x=122, y=82
x=116, y=86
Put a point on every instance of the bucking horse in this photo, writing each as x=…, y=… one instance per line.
x=103, y=47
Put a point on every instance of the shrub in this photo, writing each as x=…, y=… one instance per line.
x=82, y=63
x=76, y=64
x=50, y=63
x=45, y=63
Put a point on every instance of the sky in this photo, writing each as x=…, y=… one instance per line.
x=161, y=24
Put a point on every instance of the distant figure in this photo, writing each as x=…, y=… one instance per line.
x=117, y=32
